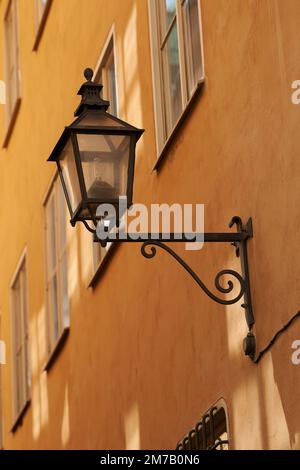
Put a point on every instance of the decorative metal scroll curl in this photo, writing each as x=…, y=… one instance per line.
x=225, y=290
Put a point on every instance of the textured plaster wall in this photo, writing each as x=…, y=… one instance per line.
x=148, y=353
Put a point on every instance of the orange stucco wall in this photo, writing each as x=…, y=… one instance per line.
x=147, y=352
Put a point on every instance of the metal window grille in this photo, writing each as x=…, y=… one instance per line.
x=210, y=433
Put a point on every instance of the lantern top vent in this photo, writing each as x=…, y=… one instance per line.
x=90, y=95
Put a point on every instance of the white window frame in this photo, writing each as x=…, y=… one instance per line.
x=100, y=74
x=40, y=11
x=55, y=194
x=99, y=253
x=41, y=15
x=19, y=409
x=11, y=108
x=162, y=136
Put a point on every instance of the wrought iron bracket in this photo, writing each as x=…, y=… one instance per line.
x=238, y=239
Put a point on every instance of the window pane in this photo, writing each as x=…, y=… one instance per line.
x=51, y=236
x=99, y=254
x=96, y=254
x=26, y=370
x=64, y=300
x=62, y=217
x=69, y=174
x=21, y=366
x=111, y=77
x=10, y=72
x=53, y=301
x=107, y=77
x=57, y=275
x=168, y=11
x=19, y=383
x=64, y=290
x=172, y=80
x=11, y=59
x=41, y=4
x=192, y=43
x=17, y=313
x=23, y=377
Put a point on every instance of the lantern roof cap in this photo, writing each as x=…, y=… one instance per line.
x=115, y=125
x=92, y=117
x=90, y=93
x=102, y=120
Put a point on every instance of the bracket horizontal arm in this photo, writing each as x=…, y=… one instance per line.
x=173, y=237
x=238, y=239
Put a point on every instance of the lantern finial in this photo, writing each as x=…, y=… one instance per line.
x=90, y=92
x=88, y=73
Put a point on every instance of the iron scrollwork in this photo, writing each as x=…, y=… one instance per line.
x=239, y=240
x=225, y=290
x=244, y=232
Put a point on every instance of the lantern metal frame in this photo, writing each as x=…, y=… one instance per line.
x=91, y=102
x=93, y=105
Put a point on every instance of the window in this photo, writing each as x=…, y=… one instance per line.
x=12, y=73
x=176, y=60
x=42, y=8
x=21, y=371
x=210, y=433
x=106, y=75
x=57, y=306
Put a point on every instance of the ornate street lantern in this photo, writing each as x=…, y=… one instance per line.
x=95, y=156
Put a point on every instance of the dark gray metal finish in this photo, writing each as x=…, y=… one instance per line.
x=93, y=120
x=176, y=237
x=243, y=255
x=150, y=243
x=208, y=433
x=225, y=290
x=90, y=93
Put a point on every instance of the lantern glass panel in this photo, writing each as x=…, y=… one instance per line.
x=104, y=160
x=69, y=174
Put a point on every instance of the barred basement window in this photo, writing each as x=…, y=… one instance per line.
x=210, y=433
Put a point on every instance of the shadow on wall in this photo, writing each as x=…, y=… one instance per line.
x=286, y=379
